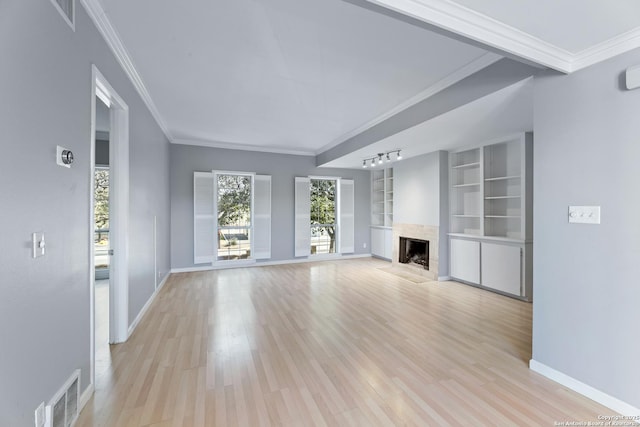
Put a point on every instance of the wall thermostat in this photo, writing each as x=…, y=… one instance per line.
x=633, y=77
x=64, y=157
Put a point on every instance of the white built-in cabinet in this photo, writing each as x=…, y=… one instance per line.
x=381, y=212
x=491, y=229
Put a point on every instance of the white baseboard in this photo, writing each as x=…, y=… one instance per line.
x=85, y=397
x=267, y=263
x=444, y=278
x=144, y=309
x=594, y=394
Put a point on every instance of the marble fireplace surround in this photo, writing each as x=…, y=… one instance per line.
x=422, y=232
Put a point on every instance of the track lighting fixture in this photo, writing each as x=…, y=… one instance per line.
x=380, y=158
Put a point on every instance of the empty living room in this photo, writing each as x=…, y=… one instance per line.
x=319, y=213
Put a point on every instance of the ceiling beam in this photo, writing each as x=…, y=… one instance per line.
x=497, y=76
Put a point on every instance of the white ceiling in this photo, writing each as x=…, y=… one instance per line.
x=505, y=112
x=284, y=74
x=301, y=76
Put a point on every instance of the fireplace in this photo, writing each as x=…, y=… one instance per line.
x=414, y=251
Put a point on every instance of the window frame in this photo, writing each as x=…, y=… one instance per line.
x=251, y=259
x=336, y=244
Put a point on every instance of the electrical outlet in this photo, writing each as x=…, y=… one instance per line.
x=364, y=246
x=40, y=415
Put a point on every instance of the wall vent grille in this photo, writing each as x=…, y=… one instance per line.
x=67, y=9
x=62, y=410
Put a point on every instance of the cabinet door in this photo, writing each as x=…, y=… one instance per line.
x=502, y=267
x=377, y=242
x=465, y=260
x=388, y=244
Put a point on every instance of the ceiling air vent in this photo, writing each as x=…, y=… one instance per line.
x=67, y=9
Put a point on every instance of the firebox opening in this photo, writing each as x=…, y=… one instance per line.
x=414, y=251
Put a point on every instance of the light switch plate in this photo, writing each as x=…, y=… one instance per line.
x=584, y=214
x=37, y=244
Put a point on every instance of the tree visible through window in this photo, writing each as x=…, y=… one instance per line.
x=101, y=216
x=323, y=216
x=234, y=216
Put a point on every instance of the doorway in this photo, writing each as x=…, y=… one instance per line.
x=108, y=222
x=101, y=192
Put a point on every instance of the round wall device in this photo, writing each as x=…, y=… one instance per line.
x=67, y=157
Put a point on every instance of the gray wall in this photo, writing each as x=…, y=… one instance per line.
x=421, y=196
x=586, y=151
x=283, y=169
x=45, y=82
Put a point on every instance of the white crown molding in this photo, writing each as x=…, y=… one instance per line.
x=479, y=27
x=243, y=147
x=110, y=35
x=607, y=49
x=476, y=26
x=474, y=66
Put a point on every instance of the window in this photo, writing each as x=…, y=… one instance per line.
x=234, y=216
x=231, y=216
x=101, y=216
x=323, y=216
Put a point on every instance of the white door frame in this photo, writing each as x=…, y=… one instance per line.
x=118, y=213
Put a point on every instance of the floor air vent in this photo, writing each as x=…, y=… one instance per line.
x=62, y=410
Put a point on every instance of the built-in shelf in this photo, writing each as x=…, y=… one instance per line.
x=382, y=197
x=471, y=184
x=492, y=249
x=501, y=197
x=466, y=165
x=502, y=178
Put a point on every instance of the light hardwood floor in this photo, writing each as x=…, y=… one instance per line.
x=328, y=343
